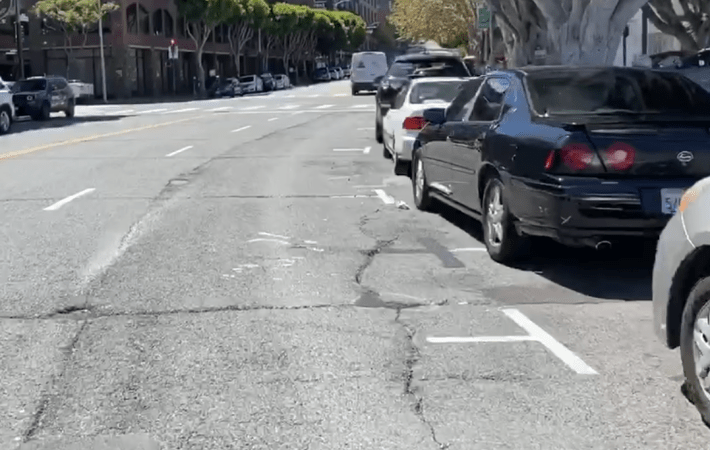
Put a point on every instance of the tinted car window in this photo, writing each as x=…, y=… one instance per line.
x=590, y=92
x=489, y=101
x=455, y=111
x=444, y=67
x=247, y=79
x=30, y=85
x=442, y=91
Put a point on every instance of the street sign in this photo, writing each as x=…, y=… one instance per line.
x=5, y=8
x=484, y=18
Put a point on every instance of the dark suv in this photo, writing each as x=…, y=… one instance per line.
x=427, y=64
x=37, y=97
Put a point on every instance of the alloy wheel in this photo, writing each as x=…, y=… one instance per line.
x=701, y=348
x=494, y=219
x=4, y=121
x=419, y=180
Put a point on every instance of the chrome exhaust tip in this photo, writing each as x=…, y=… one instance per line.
x=603, y=245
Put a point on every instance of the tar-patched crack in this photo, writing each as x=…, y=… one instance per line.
x=411, y=360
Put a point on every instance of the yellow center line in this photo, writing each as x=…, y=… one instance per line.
x=27, y=151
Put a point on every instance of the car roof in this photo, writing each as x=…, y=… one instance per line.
x=427, y=56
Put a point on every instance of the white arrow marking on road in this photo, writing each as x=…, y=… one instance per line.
x=63, y=202
x=252, y=108
x=241, y=129
x=470, y=340
x=386, y=199
x=153, y=111
x=289, y=107
x=552, y=344
x=181, y=111
x=263, y=233
x=269, y=240
x=179, y=151
x=324, y=106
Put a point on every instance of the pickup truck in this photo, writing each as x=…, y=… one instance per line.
x=7, y=109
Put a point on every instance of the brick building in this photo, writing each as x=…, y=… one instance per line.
x=136, y=39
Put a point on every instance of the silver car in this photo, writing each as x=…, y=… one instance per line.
x=681, y=291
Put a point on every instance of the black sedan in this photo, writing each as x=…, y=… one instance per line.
x=586, y=156
x=430, y=64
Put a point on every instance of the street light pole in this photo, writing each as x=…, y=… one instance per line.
x=18, y=26
x=103, y=60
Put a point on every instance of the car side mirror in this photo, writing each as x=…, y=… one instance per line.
x=436, y=116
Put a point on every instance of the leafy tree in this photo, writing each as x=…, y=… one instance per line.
x=244, y=18
x=73, y=16
x=201, y=17
x=691, y=27
x=582, y=32
x=442, y=21
x=295, y=22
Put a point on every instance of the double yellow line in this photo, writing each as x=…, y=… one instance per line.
x=27, y=151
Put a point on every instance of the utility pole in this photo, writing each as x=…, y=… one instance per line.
x=18, y=27
x=103, y=60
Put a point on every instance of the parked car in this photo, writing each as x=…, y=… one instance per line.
x=269, y=82
x=334, y=75
x=81, y=90
x=367, y=67
x=7, y=109
x=282, y=82
x=322, y=74
x=585, y=156
x=404, y=120
x=436, y=64
x=251, y=84
x=681, y=292
x=346, y=70
x=229, y=87
x=37, y=97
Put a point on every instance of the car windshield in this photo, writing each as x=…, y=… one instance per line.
x=247, y=79
x=616, y=91
x=441, y=91
x=30, y=85
x=443, y=67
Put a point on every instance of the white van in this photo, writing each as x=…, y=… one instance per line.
x=365, y=68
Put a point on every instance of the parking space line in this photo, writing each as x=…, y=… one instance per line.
x=179, y=151
x=386, y=199
x=552, y=344
x=64, y=201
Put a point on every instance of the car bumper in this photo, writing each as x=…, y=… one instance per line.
x=363, y=85
x=581, y=211
x=404, y=147
x=26, y=110
x=673, y=248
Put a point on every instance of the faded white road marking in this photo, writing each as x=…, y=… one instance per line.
x=469, y=249
x=64, y=201
x=470, y=340
x=125, y=111
x=340, y=95
x=324, y=106
x=362, y=106
x=221, y=108
x=269, y=240
x=273, y=118
x=347, y=149
x=241, y=129
x=289, y=107
x=263, y=233
x=313, y=96
x=179, y=151
x=153, y=111
x=252, y=108
x=386, y=199
x=366, y=150
x=181, y=110
x=552, y=344
x=297, y=112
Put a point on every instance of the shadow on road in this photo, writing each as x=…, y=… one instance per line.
x=25, y=124
x=622, y=273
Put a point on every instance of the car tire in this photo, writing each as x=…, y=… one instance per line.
x=420, y=188
x=5, y=120
x=378, y=125
x=45, y=112
x=70, y=110
x=698, y=302
x=402, y=168
x=502, y=240
x=355, y=92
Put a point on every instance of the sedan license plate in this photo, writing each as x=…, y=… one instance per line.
x=670, y=200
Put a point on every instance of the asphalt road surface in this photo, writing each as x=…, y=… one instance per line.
x=245, y=274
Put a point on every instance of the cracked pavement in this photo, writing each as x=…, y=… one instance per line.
x=253, y=292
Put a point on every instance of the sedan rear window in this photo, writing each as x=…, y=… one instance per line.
x=616, y=91
x=442, y=91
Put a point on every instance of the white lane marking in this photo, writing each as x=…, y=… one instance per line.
x=324, y=106
x=179, y=151
x=347, y=149
x=241, y=129
x=273, y=118
x=153, y=111
x=263, y=233
x=469, y=249
x=552, y=344
x=353, y=196
x=313, y=96
x=361, y=106
x=366, y=129
x=386, y=199
x=269, y=240
x=470, y=340
x=64, y=201
x=373, y=186
x=340, y=95
x=297, y=112
x=344, y=177
x=289, y=107
x=180, y=110
x=252, y=108
x=221, y=108
x=124, y=111
x=366, y=150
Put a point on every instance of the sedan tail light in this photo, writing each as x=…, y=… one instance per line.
x=414, y=123
x=576, y=157
x=619, y=156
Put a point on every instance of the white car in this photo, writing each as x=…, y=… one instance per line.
x=404, y=120
x=7, y=109
x=251, y=83
x=367, y=67
x=282, y=82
